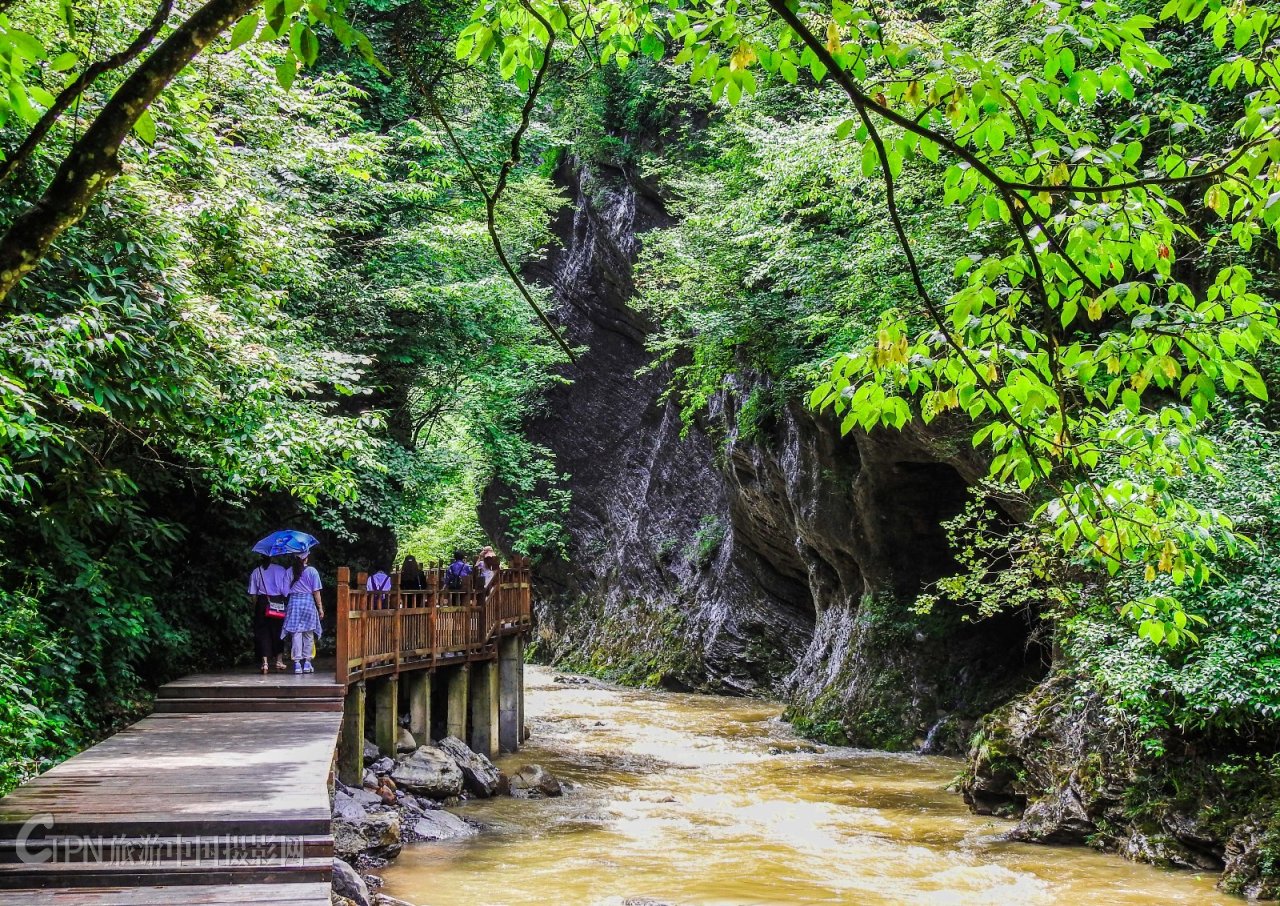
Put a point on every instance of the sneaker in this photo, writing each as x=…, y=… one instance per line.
x=307, y=668
x=297, y=666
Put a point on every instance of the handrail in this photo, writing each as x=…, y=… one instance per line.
x=389, y=632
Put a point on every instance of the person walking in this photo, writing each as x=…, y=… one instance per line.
x=304, y=613
x=268, y=590
x=487, y=569
x=378, y=582
x=412, y=578
x=454, y=578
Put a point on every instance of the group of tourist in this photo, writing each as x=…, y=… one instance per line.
x=287, y=604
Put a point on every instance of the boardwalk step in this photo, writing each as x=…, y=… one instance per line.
x=272, y=686
x=194, y=871
x=120, y=850
x=304, y=893
x=227, y=704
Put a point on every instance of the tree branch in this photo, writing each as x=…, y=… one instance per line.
x=68, y=95
x=94, y=160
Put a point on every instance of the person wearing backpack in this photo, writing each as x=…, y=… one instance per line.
x=268, y=589
x=378, y=582
x=455, y=576
x=304, y=613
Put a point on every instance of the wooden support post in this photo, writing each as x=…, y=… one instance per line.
x=386, y=725
x=484, y=708
x=420, y=706
x=351, y=739
x=510, y=668
x=456, y=716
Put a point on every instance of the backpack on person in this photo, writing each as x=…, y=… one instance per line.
x=454, y=575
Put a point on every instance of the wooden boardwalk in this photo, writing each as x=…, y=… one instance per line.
x=220, y=797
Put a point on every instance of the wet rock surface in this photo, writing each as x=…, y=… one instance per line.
x=1056, y=763
x=479, y=775
x=428, y=771
x=533, y=781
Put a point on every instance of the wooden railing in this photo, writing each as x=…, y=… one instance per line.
x=399, y=629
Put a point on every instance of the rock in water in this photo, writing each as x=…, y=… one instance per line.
x=442, y=825
x=363, y=798
x=348, y=884
x=376, y=835
x=381, y=899
x=479, y=773
x=428, y=772
x=405, y=742
x=347, y=807
x=533, y=781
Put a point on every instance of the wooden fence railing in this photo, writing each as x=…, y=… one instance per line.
x=381, y=632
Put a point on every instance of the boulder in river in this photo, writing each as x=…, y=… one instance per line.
x=405, y=741
x=349, y=885
x=377, y=834
x=442, y=825
x=478, y=772
x=428, y=771
x=363, y=798
x=533, y=781
x=347, y=807
x=382, y=899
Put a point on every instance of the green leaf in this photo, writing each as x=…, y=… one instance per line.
x=63, y=62
x=145, y=128
x=246, y=29
x=870, y=160
x=286, y=72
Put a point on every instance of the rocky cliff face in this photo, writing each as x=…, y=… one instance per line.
x=1064, y=769
x=781, y=562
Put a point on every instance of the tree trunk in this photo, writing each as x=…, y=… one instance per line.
x=94, y=161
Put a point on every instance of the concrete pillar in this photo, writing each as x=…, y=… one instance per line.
x=484, y=708
x=456, y=713
x=385, y=714
x=524, y=724
x=420, y=706
x=351, y=738
x=510, y=693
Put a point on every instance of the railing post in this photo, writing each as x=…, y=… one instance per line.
x=396, y=621
x=342, y=619
x=433, y=601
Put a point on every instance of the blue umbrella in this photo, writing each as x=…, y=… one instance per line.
x=285, y=542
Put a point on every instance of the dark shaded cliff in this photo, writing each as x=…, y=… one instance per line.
x=783, y=563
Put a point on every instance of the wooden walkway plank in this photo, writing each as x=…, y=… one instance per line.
x=222, y=807
x=313, y=894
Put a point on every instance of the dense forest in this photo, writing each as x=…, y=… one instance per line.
x=285, y=263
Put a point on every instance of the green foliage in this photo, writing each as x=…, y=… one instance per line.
x=285, y=312
x=34, y=728
x=1230, y=682
x=1072, y=333
x=706, y=541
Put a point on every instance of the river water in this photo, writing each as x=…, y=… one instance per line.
x=700, y=800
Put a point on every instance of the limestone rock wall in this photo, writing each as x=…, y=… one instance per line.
x=785, y=562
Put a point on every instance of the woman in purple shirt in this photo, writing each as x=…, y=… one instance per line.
x=303, y=613
x=268, y=588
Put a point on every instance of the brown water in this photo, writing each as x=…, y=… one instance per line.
x=681, y=800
